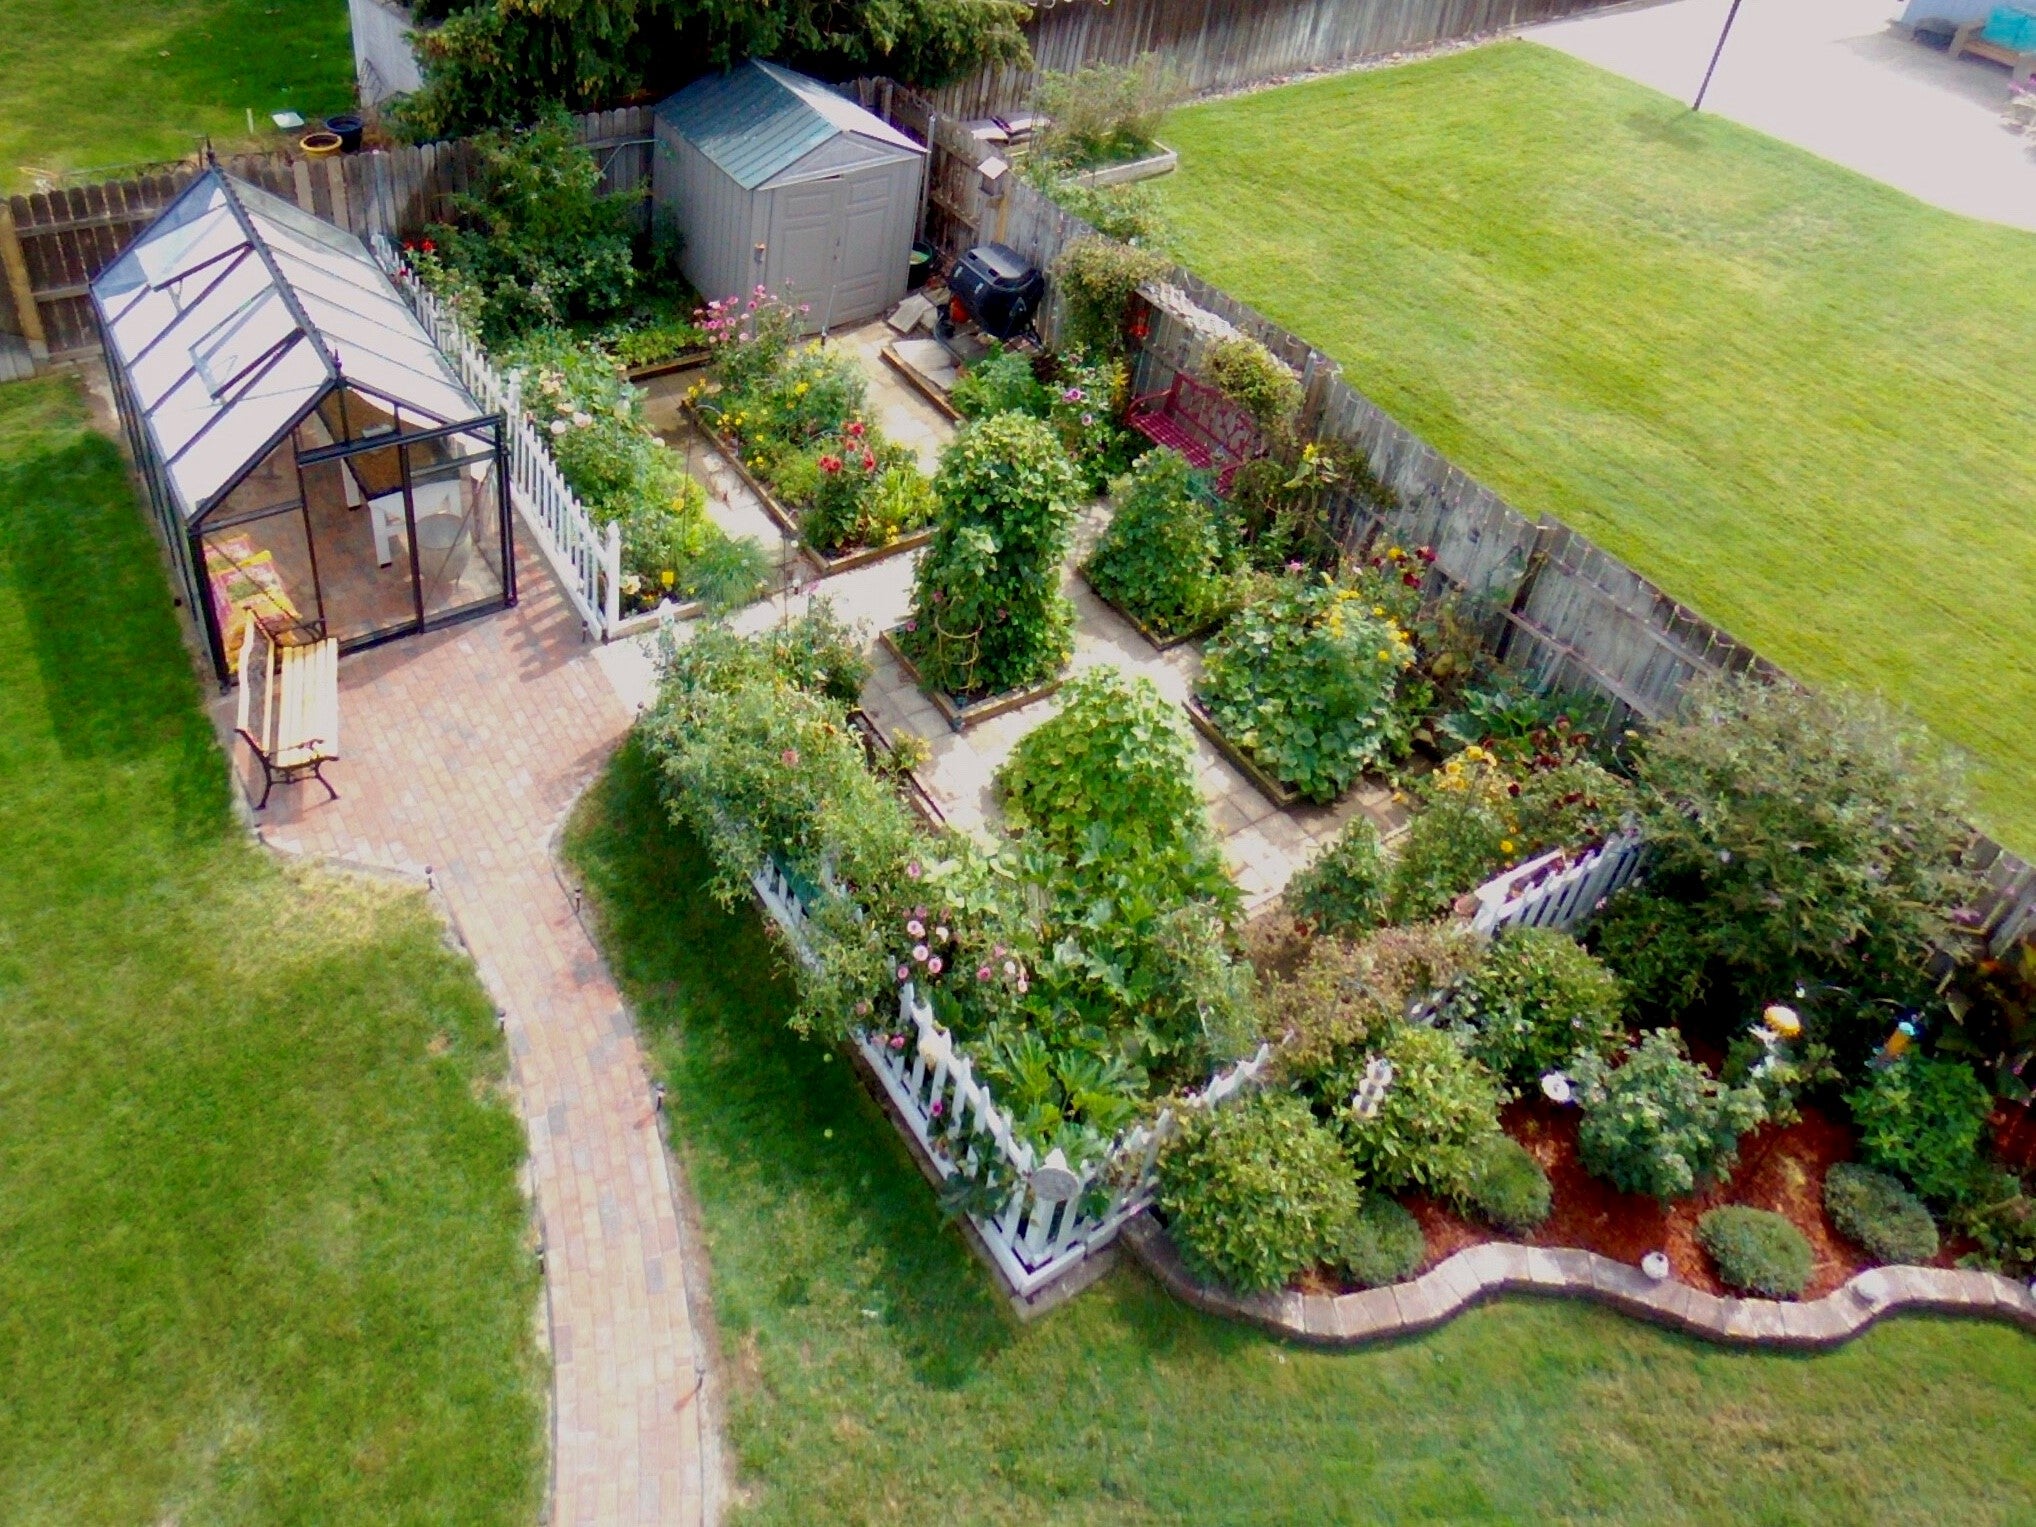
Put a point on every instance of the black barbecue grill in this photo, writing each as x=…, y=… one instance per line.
x=994, y=286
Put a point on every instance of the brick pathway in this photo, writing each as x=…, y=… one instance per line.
x=463, y=749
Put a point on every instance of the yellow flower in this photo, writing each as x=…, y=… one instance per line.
x=668, y=577
x=1395, y=554
x=1378, y=609
x=1385, y=655
x=800, y=390
x=1505, y=845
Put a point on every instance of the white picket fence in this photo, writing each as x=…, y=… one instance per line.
x=1055, y=1215
x=1532, y=897
x=586, y=557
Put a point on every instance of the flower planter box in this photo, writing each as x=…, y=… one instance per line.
x=690, y=360
x=1162, y=161
x=1268, y=787
x=922, y=384
x=787, y=522
x=878, y=747
x=962, y=714
x=1158, y=643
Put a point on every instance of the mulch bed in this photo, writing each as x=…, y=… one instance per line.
x=1779, y=1168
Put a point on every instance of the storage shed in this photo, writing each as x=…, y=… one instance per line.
x=315, y=463
x=774, y=180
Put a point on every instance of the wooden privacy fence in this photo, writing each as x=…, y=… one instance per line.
x=1216, y=44
x=1553, y=605
x=52, y=243
x=586, y=558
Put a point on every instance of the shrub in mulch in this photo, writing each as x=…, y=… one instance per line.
x=1509, y=1189
x=1874, y=1211
x=1756, y=1251
x=1382, y=1243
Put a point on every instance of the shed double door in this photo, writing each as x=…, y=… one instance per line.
x=831, y=239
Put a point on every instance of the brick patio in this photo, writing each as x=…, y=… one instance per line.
x=462, y=752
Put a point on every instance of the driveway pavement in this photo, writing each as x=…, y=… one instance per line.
x=1834, y=77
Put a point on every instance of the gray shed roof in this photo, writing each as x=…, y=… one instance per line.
x=759, y=120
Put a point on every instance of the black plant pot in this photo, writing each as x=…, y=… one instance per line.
x=921, y=267
x=349, y=130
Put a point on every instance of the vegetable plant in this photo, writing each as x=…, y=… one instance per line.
x=1343, y=892
x=988, y=615
x=1163, y=558
x=1302, y=680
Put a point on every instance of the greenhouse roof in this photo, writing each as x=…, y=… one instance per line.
x=758, y=120
x=234, y=312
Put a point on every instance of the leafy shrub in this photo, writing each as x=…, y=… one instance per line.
x=761, y=767
x=1345, y=999
x=1118, y=754
x=1659, y=948
x=1097, y=279
x=1509, y=1189
x=1816, y=835
x=1535, y=1000
x=1251, y=376
x=1877, y=1213
x=1924, y=1120
x=1454, y=843
x=1380, y=1244
x=1162, y=558
x=536, y=245
x=1302, y=679
x=1660, y=1123
x=988, y=615
x=1344, y=890
x=1254, y=1190
x=1284, y=509
x=1082, y=404
x=1104, y=114
x=592, y=419
x=1133, y=214
x=1437, y=1119
x=1000, y=383
x=2001, y=1220
x=1756, y=1251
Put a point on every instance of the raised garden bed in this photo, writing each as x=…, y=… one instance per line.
x=921, y=383
x=1158, y=643
x=1270, y=788
x=879, y=748
x=962, y=714
x=1161, y=161
x=690, y=360
x=787, y=522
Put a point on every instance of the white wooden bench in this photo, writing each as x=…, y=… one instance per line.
x=299, y=724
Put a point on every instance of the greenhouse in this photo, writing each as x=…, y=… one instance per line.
x=314, y=461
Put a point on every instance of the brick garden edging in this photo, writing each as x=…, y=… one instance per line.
x=1480, y=1272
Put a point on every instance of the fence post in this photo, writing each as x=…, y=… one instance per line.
x=611, y=572
x=19, y=286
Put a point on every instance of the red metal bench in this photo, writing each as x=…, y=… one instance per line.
x=1204, y=425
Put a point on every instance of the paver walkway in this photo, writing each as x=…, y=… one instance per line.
x=462, y=750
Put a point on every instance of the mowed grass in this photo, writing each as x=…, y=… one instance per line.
x=1798, y=400
x=92, y=83
x=875, y=1377
x=262, y=1246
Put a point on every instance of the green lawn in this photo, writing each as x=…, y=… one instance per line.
x=91, y=83
x=875, y=1378
x=1800, y=401
x=263, y=1251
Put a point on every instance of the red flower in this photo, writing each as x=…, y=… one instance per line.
x=830, y=464
x=855, y=430
x=869, y=462
x=428, y=247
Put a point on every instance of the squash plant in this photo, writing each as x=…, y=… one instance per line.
x=1302, y=680
x=1165, y=558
